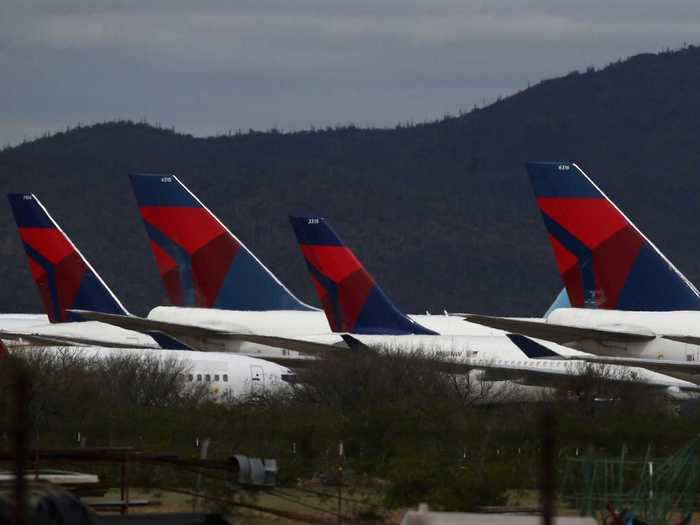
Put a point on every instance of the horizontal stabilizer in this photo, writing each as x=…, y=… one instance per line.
x=354, y=343
x=558, y=333
x=532, y=348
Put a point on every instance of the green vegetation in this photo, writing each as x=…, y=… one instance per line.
x=410, y=433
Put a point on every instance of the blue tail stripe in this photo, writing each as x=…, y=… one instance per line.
x=314, y=230
x=248, y=286
x=161, y=190
x=182, y=259
x=576, y=247
x=560, y=179
x=51, y=277
x=27, y=213
x=91, y=296
x=380, y=317
x=653, y=286
x=332, y=290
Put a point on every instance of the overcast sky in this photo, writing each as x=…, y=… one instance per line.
x=206, y=67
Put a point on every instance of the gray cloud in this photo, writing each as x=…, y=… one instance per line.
x=206, y=67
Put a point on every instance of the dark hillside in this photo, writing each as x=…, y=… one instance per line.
x=442, y=213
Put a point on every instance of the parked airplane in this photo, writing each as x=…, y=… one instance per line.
x=222, y=374
x=66, y=280
x=628, y=298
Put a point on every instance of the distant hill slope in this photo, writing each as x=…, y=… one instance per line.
x=442, y=213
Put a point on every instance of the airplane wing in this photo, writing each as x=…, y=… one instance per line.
x=285, y=343
x=545, y=373
x=59, y=340
x=690, y=339
x=675, y=368
x=561, y=333
x=177, y=330
x=532, y=371
x=295, y=362
x=544, y=366
x=144, y=325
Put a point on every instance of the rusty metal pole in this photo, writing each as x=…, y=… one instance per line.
x=341, y=456
x=22, y=389
x=126, y=482
x=123, y=486
x=203, y=452
x=548, y=451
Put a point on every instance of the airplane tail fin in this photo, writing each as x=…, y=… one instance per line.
x=560, y=301
x=200, y=261
x=65, y=279
x=352, y=300
x=604, y=260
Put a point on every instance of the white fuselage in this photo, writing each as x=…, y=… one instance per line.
x=678, y=323
x=223, y=374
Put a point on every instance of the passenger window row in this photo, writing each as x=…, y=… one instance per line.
x=208, y=378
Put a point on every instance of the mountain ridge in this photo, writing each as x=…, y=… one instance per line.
x=440, y=212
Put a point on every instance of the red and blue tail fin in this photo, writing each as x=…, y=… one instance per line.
x=604, y=260
x=352, y=300
x=200, y=261
x=66, y=281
